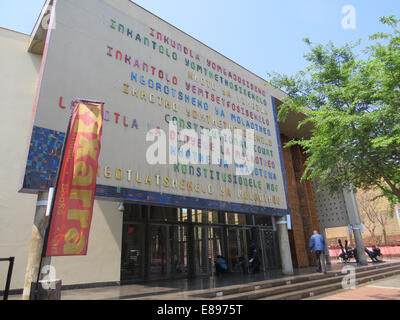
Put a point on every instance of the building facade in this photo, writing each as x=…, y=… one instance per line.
x=139, y=232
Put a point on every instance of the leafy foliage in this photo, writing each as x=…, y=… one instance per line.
x=354, y=106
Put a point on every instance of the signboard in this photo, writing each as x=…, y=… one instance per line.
x=153, y=76
x=73, y=205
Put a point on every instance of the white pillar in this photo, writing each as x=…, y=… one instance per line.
x=284, y=245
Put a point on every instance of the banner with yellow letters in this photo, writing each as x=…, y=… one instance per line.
x=75, y=191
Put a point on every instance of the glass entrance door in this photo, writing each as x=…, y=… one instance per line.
x=179, y=250
x=132, y=252
x=269, y=248
x=158, y=262
x=209, y=246
x=237, y=246
x=169, y=251
x=215, y=245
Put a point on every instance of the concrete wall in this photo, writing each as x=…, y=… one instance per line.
x=103, y=261
x=18, y=79
x=19, y=72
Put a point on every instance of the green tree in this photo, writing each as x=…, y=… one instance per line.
x=353, y=104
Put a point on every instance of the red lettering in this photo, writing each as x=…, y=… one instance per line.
x=116, y=117
x=61, y=103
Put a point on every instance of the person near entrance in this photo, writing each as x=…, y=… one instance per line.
x=220, y=265
x=317, y=244
x=254, y=262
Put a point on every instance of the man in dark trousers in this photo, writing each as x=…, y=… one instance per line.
x=317, y=244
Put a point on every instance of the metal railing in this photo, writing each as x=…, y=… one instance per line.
x=9, y=274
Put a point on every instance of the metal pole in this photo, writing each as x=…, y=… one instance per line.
x=9, y=274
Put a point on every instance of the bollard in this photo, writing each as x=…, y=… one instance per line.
x=46, y=290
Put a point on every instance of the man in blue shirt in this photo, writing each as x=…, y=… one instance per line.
x=317, y=244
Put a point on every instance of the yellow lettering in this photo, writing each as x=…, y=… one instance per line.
x=118, y=174
x=148, y=179
x=126, y=88
x=107, y=172
x=83, y=174
x=94, y=114
x=71, y=245
x=129, y=172
x=87, y=148
x=166, y=182
x=80, y=215
x=83, y=195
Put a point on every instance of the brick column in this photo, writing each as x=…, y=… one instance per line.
x=297, y=235
x=308, y=211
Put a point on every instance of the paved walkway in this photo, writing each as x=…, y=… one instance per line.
x=387, y=289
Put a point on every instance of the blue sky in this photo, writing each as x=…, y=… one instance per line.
x=261, y=35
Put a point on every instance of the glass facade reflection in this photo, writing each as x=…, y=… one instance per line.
x=167, y=243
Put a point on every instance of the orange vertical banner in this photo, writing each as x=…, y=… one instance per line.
x=75, y=191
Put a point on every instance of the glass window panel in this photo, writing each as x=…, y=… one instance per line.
x=132, y=251
x=262, y=220
x=132, y=212
x=241, y=219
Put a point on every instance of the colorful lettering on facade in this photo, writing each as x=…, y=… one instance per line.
x=212, y=96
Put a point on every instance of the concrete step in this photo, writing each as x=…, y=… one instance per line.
x=314, y=292
x=305, y=285
x=249, y=287
x=300, y=283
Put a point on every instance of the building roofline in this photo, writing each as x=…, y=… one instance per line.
x=45, y=3
x=236, y=63
x=15, y=31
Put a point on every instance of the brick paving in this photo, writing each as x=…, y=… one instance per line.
x=367, y=293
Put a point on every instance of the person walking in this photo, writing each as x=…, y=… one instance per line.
x=317, y=244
